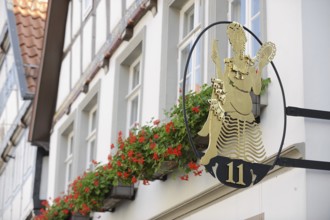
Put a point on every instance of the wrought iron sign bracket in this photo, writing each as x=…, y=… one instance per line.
x=302, y=163
x=308, y=113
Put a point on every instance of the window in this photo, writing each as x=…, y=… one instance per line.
x=77, y=149
x=133, y=96
x=190, y=26
x=68, y=161
x=248, y=13
x=91, y=138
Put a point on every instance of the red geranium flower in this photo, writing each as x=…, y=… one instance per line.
x=195, y=109
x=155, y=157
x=141, y=139
x=132, y=138
x=134, y=180
x=44, y=203
x=141, y=160
x=130, y=153
x=86, y=189
x=193, y=166
x=198, y=172
x=169, y=126
x=152, y=145
x=126, y=175
x=185, y=177
x=57, y=200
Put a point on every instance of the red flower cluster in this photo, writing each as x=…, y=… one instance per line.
x=175, y=151
x=85, y=209
x=134, y=180
x=152, y=145
x=194, y=167
x=185, y=177
x=132, y=138
x=155, y=156
x=195, y=109
x=169, y=127
x=141, y=139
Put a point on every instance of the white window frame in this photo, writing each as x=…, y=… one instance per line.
x=187, y=39
x=91, y=137
x=68, y=162
x=87, y=6
x=133, y=93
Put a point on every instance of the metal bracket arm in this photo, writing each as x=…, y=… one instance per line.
x=309, y=113
x=300, y=163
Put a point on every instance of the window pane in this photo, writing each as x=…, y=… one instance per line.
x=91, y=154
x=91, y=150
x=70, y=145
x=136, y=76
x=255, y=7
x=69, y=172
x=198, y=74
x=188, y=22
x=134, y=111
x=243, y=12
x=184, y=57
x=256, y=30
x=93, y=121
x=198, y=79
x=188, y=85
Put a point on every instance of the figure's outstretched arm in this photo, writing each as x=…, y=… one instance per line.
x=216, y=59
x=264, y=56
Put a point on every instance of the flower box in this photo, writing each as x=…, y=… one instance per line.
x=201, y=143
x=255, y=106
x=118, y=194
x=166, y=167
x=78, y=216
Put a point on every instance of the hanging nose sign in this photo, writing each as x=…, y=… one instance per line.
x=235, y=152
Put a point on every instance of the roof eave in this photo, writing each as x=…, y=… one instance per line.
x=46, y=94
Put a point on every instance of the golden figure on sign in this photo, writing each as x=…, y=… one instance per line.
x=231, y=126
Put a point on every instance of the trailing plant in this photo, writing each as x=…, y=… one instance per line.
x=264, y=85
x=138, y=157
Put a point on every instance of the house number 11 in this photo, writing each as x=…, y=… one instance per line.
x=231, y=174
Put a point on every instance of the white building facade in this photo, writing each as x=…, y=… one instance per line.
x=19, y=189
x=123, y=64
